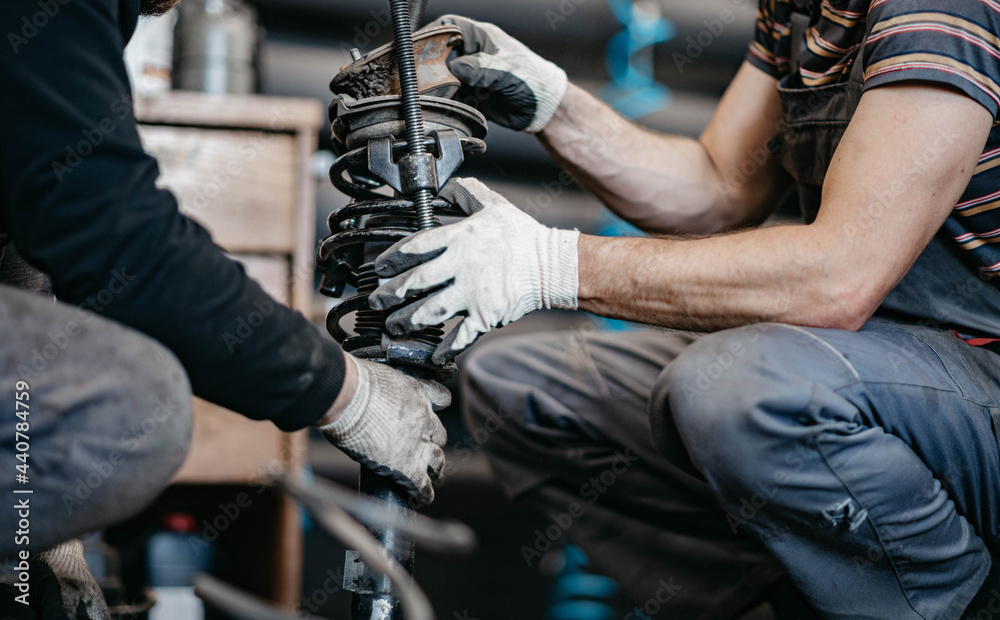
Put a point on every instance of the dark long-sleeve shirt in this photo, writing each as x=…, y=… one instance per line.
x=78, y=196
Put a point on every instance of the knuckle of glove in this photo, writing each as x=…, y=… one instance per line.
x=427, y=315
x=439, y=396
x=425, y=488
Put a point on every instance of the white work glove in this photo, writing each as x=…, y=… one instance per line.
x=493, y=267
x=391, y=428
x=522, y=89
x=65, y=586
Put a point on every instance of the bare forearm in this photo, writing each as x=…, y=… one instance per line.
x=657, y=182
x=726, y=179
x=832, y=273
x=761, y=275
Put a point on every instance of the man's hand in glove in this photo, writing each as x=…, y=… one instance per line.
x=523, y=89
x=64, y=586
x=385, y=420
x=493, y=267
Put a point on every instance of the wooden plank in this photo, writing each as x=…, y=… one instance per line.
x=289, y=541
x=239, y=111
x=304, y=256
x=241, y=185
x=289, y=538
x=229, y=449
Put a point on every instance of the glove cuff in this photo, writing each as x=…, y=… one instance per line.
x=63, y=557
x=367, y=417
x=560, y=274
x=549, y=82
x=348, y=424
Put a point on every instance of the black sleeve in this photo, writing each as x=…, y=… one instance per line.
x=79, y=198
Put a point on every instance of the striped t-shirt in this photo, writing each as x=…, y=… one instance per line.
x=954, y=42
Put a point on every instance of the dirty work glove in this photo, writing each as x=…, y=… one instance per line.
x=65, y=587
x=390, y=427
x=523, y=89
x=493, y=267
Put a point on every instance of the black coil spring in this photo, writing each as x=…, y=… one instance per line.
x=360, y=231
x=368, y=321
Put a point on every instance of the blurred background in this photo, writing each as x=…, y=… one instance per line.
x=662, y=63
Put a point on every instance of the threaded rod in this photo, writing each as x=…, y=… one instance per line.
x=407, y=68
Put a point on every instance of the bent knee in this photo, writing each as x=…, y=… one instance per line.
x=143, y=400
x=732, y=387
x=156, y=422
x=159, y=430
x=117, y=438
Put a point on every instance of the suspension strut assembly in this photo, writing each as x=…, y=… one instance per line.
x=399, y=137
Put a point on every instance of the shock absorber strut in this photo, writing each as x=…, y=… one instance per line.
x=399, y=137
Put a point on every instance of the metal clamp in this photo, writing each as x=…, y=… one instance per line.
x=416, y=172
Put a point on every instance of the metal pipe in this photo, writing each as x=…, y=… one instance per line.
x=440, y=536
x=378, y=593
x=239, y=604
x=381, y=607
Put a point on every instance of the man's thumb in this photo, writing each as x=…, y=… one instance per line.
x=468, y=69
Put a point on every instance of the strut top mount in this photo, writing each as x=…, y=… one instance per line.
x=375, y=73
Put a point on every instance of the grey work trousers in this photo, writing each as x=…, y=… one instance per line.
x=698, y=470
x=108, y=420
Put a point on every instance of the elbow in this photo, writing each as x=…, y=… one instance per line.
x=838, y=285
x=847, y=321
x=844, y=302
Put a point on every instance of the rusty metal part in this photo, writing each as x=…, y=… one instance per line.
x=356, y=123
x=375, y=73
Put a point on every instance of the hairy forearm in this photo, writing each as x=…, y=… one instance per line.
x=659, y=183
x=728, y=178
x=901, y=166
x=783, y=274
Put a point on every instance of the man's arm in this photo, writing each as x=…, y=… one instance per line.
x=660, y=183
x=921, y=143
x=832, y=273
x=80, y=198
x=673, y=184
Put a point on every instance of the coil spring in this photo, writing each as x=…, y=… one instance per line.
x=361, y=231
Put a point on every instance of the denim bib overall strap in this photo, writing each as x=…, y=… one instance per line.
x=814, y=119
